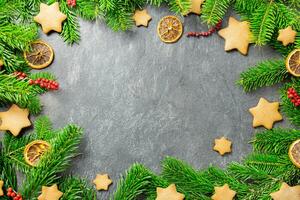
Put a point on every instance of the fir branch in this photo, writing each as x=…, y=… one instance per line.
x=134, y=183
x=247, y=8
x=214, y=10
x=275, y=141
x=43, y=128
x=7, y=171
x=76, y=188
x=266, y=73
x=187, y=180
x=263, y=23
x=119, y=19
x=91, y=9
x=19, y=92
x=63, y=148
x=180, y=6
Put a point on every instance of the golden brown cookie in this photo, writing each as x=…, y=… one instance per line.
x=50, y=17
x=102, y=181
x=14, y=120
x=196, y=6
x=265, y=113
x=50, y=193
x=1, y=186
x=287, y=36
x=169, y=193
x=286, y=192
x=237, y=35
x=222, y=145
x=223, y=193
x=141, y=18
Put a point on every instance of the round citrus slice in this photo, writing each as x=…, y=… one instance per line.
x=293, y=62
x=34, y=151
x=294, y=153
x=169, y=29
x=40, y=55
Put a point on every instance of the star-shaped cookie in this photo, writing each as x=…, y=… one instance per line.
x=169, y=193
x=50, y=193
x=14, y=120
x=287, y=36
x=196, y=6
x=237, y=35
x=141, y=18
x=222, y=145
x=223, y=193
x=50, y=17
x=102, y=181
x=265, y=113
x=1, y=186
x=287, y=192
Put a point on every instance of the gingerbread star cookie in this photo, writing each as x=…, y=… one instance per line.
x=223, y=193
x=169, y=193
x=1, y=186
x=196, y=6
x=265, y=113
x=141, y=18
x=237, y=35
x=50, y=193
x=287, y=36
x=50, y=17
x=102, y=181
x=222, y=145
x=286, y=192
x=14, y=120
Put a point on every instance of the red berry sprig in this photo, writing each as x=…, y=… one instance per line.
x=11, y=193
x=71, y=3
x=207, y=33
x=42, y=82
x=293, y=96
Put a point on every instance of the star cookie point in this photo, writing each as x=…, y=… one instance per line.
x=50, y=18
x=237, y=35
x=287, y=36
x=168, y=193
x=265, y=113
x=286, y=192
x=50, y=193
x=223, y=193
x=141, y=18
x=222, y=146
x=14, y=120
x=196, y=7
x=1, y=188
x=102, y=181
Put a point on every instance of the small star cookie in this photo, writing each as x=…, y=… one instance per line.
x=102, y=181
x=50, y=193
x=169, y=193
x=222, y=145
x=237, y=35
x=50, y=17
x=287, y=36
x=196, y=6
x=141, y=18
x=1, y=186
x=223, y=193
x=286, y=192
x=14, y=120
x=265, y=113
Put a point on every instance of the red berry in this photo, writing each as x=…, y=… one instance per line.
x=16, y=198
x=13, y=194
x=10, y=189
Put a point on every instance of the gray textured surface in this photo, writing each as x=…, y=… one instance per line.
x=139, y=99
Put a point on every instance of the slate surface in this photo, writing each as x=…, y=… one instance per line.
x=139, y=99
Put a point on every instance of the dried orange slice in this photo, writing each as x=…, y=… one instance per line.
x=40, y=55
x=34, y=151
x=169, y=29
x=293, y=62
x=294, y=153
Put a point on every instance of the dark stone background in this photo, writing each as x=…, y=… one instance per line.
x=139, y=99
